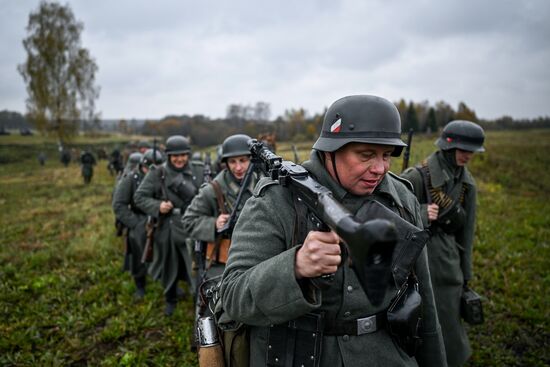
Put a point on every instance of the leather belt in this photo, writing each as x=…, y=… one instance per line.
x=364, y=325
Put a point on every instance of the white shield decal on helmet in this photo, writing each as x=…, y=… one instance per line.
x=335, y=128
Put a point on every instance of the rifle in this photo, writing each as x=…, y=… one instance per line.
x=227, y=229
x=200, y=246
x=153, y=223
x=363, y=241
x=296, y=157
x=150, y=227
x=207, y=167
x=407, y=153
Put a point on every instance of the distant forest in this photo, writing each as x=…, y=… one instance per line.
x=294, y=124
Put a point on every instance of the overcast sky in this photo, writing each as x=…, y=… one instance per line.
x=196, y=57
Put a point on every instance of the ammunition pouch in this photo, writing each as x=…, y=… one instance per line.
x=470, y=307
x=236, y=346
x=296, y=343
x=404, y=317
x=452, y=218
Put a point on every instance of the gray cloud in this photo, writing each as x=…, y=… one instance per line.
x=173, y=57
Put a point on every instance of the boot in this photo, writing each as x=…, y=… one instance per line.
x=170, y=308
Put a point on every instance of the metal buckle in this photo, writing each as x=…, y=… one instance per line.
x=176, y=211
x=366, y=325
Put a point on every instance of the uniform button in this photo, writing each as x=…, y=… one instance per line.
x=350, y=289
x=347, y=314
x=345, y=338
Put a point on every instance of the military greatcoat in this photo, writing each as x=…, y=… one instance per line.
x=450, y=255
x=87, y=160
x=170, y=252
x=200, y=217
x=259, y=287
x=132, y=218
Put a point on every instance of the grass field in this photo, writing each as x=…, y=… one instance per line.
x=65, y=301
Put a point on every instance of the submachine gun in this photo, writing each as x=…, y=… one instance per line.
x=379, y=248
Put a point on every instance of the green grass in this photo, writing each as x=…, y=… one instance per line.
x=65, y=300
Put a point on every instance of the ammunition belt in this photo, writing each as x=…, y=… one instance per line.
x=438, y=196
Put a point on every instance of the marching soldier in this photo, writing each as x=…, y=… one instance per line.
x=87, y=162
x=210, y=209
x=277, y=256
x=164, y=195
x=134, y=219
x=447, y=194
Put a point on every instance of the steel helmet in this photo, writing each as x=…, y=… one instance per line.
x=147, y=158
x=196, y=156
x=361, y=119
x=144, y=144
x=462, y=134
x=177, y=144
x=135, y=158
x=235, y=145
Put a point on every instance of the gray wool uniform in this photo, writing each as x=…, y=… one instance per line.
x=450, y=255
x=259, y=287
x=200, y=217
x=170, y=252
x=133, y=218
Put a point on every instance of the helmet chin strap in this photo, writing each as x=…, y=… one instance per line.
x=333, y=160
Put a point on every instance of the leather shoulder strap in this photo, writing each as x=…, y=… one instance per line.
x=219, y=196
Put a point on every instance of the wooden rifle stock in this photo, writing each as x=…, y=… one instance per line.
x=150, y=227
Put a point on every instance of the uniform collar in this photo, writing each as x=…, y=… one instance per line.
x=441, y=174
x=235, y=186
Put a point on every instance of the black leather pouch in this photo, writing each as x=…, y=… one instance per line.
x=470, y=307
x=404, y=316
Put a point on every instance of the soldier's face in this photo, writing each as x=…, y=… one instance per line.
x=462, y=157
x=179, y=160
x=361, y=167
x=238, y=165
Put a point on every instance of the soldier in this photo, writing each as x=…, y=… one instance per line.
x=164, y=195
x=133, y=161
x=143, y=146
x=65, y=157
x=42, y=158
x=115, y=162
x=268, y=282
x=134, y=219
x=211, y=208
x=87, y=161
x=447, y=194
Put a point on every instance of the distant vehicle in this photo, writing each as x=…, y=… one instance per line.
x=3, y=131
x=25, y=131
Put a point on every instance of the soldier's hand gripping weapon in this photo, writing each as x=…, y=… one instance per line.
x=227, y=229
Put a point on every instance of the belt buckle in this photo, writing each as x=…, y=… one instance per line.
x=176, y=211
x=366, y=325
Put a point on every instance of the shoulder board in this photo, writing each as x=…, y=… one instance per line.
x=262, y=184
x=404, y=181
